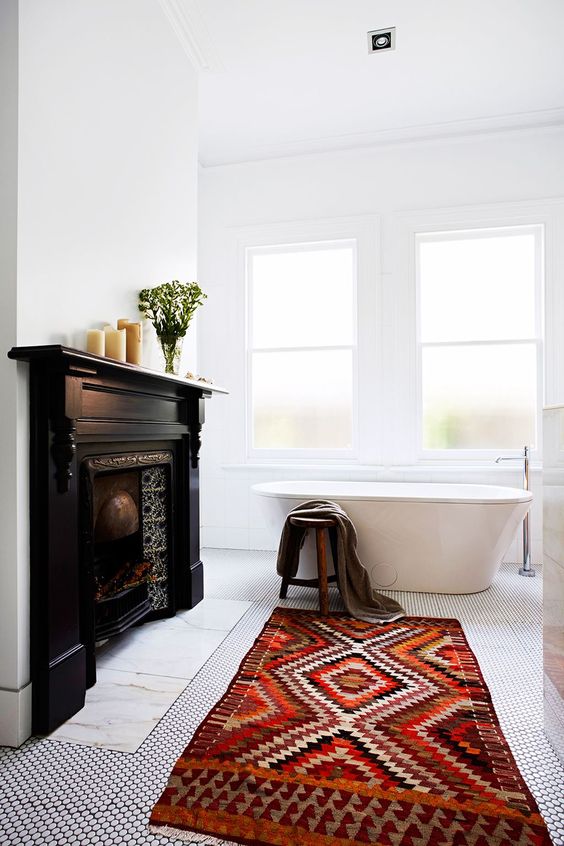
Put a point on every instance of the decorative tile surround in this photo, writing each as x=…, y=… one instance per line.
x=154, y=491
x=57, y=793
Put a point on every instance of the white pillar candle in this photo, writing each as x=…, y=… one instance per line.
x=115, y=343
x=96, y=341
x=134, y=344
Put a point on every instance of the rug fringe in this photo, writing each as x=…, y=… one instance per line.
x=187, y=836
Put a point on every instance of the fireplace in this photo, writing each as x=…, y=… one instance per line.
x=126, y=511
x=114, y=510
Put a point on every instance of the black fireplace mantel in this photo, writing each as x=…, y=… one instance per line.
x=83, y=405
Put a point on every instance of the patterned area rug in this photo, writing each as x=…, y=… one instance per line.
x=336, y=732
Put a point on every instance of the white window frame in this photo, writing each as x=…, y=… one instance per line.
x=344, y=454
x=387, y=396
x=468, y=233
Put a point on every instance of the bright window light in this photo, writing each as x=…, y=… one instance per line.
x=477, y=289
x=301, y=346
x=303, y=299
x=302, y=399
x=479, y=397
x=480, y=343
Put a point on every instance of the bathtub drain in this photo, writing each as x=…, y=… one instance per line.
x=383, y=575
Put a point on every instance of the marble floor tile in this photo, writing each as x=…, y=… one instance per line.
x=218, y=614
x=121, y=710
x=163, y=648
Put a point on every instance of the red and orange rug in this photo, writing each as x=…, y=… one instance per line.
x=337, y=732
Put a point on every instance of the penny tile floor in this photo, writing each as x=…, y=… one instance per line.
x=94, y=781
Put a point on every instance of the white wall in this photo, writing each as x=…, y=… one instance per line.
x=108, y=163
x=390, y=182
x=14, y=574
x=107, y=202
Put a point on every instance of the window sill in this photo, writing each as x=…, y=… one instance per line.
x=378, y=472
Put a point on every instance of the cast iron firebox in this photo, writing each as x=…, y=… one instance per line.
x=91, y=415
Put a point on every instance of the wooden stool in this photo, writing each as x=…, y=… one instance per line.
x=319, y=524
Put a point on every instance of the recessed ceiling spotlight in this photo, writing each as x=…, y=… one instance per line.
x=382, y=39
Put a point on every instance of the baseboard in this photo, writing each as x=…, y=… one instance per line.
x=15, y=716
x=222, y=537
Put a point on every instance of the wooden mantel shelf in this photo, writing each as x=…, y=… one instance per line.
x=88, y=363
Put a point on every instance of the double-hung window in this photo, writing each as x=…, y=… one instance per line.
x=479, y=339
x=301, y=349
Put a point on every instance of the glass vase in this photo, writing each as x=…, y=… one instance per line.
x=171, y=346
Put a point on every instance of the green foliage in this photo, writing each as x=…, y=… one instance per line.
x=171, y=306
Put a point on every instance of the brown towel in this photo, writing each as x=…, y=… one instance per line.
x=360, y=598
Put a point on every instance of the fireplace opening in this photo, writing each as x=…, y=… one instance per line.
x=120, y=573
x=127, y=508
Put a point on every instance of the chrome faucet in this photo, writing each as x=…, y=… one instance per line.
x=526, y=569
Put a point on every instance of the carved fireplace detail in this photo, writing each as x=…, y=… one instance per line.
x=114, y=511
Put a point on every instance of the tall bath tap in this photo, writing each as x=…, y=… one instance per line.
x=526, y=569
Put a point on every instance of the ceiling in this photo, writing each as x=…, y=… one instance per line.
x=285, y=77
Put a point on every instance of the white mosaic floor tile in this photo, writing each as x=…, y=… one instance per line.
x=61, y=793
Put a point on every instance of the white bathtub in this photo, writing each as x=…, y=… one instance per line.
x=437, y=538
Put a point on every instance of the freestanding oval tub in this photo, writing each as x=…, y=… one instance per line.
x=429, y=537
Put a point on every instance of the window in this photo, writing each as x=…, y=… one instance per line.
x=479, y=338
x=301, y=347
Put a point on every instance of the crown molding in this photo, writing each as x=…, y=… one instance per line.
x=188, y=24
x=453, y=130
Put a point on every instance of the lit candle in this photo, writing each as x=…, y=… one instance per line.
x=134, y=343
x=115, y=343
x=96, y=341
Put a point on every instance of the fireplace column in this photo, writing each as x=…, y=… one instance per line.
x=58, y=656
x=190, y=590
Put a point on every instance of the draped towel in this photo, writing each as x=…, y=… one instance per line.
x=360, y=598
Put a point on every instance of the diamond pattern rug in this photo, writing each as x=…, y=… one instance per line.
x=340, y=732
